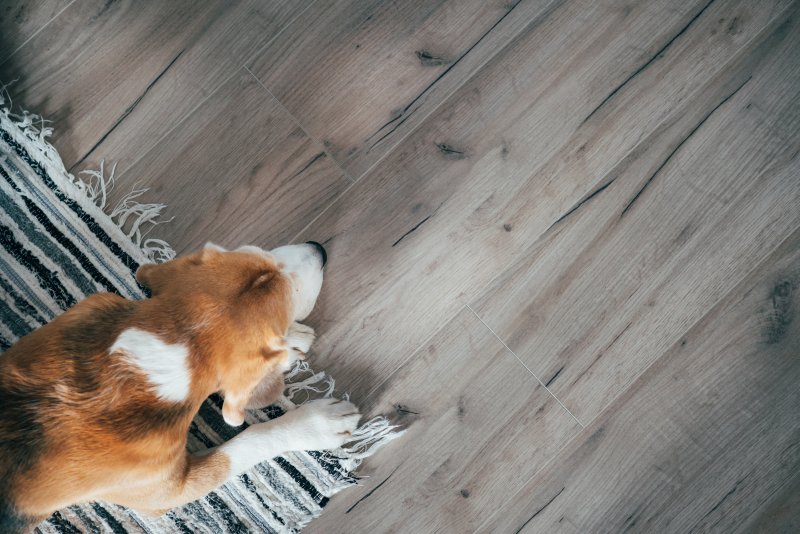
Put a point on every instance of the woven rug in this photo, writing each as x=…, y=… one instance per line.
x=58, y=245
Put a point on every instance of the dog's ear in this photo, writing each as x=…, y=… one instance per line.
x=206, y=253
x=264, y=281
x=209, y=250
x=153, y=276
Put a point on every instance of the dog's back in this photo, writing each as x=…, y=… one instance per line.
x=20, y=446
x=50, y=381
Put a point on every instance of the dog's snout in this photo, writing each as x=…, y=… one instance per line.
x=303, y=264
x=320, y=250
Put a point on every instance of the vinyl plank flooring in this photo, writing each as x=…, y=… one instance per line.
x=611, y=186
x=623, y=277
x=95, y=60
x=779, y=514
x=468, y=404
x=361, y=75
x=144, y=65
x=206, y=62
x=21, y=20
x=477, y=184
x=701, y=439
x=239, y=170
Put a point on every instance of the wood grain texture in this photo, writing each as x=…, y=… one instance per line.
x=21, y=20
x=238, y=170
x=496, y=166
x=207, y=61
x=361, y=75
x=101, y=61
x=478, y=426
x=701, y=439
x=620, y=280
x=779, y=514
x=612, y=187
x=95, y=60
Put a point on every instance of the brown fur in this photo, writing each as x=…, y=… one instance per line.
x=78, y=423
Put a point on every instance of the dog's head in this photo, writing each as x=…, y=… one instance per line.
x=237, y=307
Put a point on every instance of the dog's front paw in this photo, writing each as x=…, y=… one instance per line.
x=322, y=424
x=298, y=340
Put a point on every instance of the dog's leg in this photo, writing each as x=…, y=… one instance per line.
x=317, y=425
x=266, y=392
x=298, y=341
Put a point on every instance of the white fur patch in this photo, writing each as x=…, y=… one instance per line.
x=165, y=365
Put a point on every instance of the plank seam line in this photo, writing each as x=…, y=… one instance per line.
x=605, y=408
x=529, y=25
x=525, y=366
x=540, y=239
x=202, y=102
x=300, y=125
x=535, y=22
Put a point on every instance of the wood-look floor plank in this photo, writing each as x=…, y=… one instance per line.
x=239, y=170
x=478, y=426
x=22, y=19
x=623, y=277
x=493, y=168
x=361, y=75
x=208, y=60
x=96, y=59
x=148, y=64
x=780, y=514
x=701, y=440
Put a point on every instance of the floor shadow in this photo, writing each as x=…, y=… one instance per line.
x=10, y=40
x=18, y=30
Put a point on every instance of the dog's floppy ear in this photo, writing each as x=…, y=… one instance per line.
x=152, y=276
x=265, y=280
x=209, y=250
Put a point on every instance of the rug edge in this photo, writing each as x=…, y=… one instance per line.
x=31, y=132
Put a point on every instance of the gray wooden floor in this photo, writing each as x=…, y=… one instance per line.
x=564, y=235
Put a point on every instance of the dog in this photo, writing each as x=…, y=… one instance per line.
x=96, y=405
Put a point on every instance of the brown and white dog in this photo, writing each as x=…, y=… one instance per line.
x=97, y=403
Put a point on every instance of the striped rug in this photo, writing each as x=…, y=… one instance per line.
x=58, y=245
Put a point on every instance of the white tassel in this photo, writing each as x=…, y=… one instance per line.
x=97, y=185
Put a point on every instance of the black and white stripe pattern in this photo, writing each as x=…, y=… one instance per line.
x=57, y=246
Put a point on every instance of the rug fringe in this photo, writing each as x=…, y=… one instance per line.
x=134, y=219
x=367, y=439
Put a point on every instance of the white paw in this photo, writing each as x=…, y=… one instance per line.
x=298, y=340
x=321, y=424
